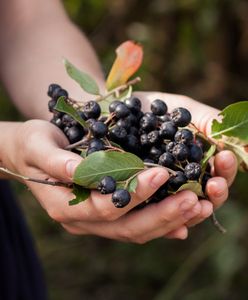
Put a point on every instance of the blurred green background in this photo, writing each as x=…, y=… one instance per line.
x=197, y=48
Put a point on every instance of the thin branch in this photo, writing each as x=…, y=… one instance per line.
x=217, y=224
x=156, y=165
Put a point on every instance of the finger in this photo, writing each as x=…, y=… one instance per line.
x=225, y=165
x=217, y=191
x=153, y=221
x=180, y=233
x=206, y=211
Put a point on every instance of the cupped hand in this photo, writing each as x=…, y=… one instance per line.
x=35, y=149
x=224, y=166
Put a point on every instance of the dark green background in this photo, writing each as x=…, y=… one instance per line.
x=197, y=48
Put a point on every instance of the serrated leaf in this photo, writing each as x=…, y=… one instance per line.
x=63, y=106
x=119, y=165
x=193, y=186
x=128, y=60
x=81, y=194
x=234, y=122
x=207, y=156
x=240, y=149
x=87, y=83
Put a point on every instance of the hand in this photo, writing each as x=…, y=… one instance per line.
x=224, y=166
x=35, y=149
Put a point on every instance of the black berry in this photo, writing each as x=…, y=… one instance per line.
x=99, y=129
x=121, y=198
x=193, y=171
x=166, y=160
x=181, y=117
x=180, y=151
x=134, y=104
x=51, y=89
x=184, y=136
x=175, y=181
x=92, y=110
x=107, y=185
x=195, y=153
x=158, y=107
x=75, y=134
x=167, y=130
x=121, y=111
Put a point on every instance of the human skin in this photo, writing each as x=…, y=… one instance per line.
x=32, y=52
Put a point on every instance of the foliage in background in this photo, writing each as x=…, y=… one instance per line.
x=198, y=48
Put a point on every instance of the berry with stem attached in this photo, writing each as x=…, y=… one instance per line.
x=121, y=198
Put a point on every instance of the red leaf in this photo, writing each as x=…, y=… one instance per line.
x=128, y=60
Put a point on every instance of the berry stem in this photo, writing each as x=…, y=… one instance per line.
x=217, y=223
x=149, y=165
x=84, y=141
x=42, y=181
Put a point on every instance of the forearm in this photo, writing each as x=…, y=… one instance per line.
x=32, y=56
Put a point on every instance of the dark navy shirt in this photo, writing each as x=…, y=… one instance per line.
x=20, y=271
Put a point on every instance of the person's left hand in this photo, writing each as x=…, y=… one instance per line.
x=224, y=167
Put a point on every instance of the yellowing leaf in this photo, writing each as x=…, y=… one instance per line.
x=128, y=60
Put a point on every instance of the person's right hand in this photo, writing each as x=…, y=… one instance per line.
x=35, y=149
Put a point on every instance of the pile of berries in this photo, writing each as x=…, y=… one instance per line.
x=157, y=137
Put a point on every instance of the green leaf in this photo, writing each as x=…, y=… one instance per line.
x=81, y=194
x=87, y=83
x=234, y=122
x=83, y=153
x=119, y=165
x=193, y=186
x=240, y=149
x=131, y=186
x=63, y=106
x=207, y=156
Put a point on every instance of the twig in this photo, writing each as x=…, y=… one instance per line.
x=156, y=165
x=42, y=181
x=217, y=224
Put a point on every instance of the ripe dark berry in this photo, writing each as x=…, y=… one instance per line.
x=131, y=143
x=58, y=92
x=164, y=118
x=133, y=130
x=96, y=143
x=107, y=185
x=158, y=107
x=124, y=123
x=166, y=160
x=75, y=134
x=195, y=153
x=153, y=137
x=175, y=181
x=68, y=121
x=161, y=193
x=132, y=119
x=193, y=171
x=144, y=141
x=99, y=129
x=167, y=130
x=134, y=104
x=181, y=117
x=148, y=122
x=121, y=198
x=51, y=104
x=170, y=146
x=51, y=89
x=112, y=105
x=205, y=179
x=184, y=136
x=91, y=122
x=92, y=110
x=91, y=150
x=117, y=134
x=149, y=160
x=57, y=122
x=180, y=151
x=155, y=153
x=121, y=111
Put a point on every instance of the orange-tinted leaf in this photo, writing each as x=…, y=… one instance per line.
x=128, y=60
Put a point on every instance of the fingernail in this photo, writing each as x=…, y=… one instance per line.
x=71, y=167
x=158, y=179
x=216, y=190
x=186, y=205
x=228, y=161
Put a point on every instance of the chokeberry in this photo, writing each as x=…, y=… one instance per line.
x=177, y=180
x=75, y=134
x=170, y=146
x=181, y=117
x=166, y=160
x=121, y=198
x=131, y=143
x=51, y=104
x=58, y=92
x=193, y=171
x=92, y=110
x=167, y=130
x=124, y=123
x=134, y=104
x=121, y=111
x=51, y=89
x=148, y=123
x=195, y=153
x=107, y=185
x=180, y=151
x=155, y=153
x=99, y=129
x=153, y=137
x=68, y=121
x=117, y=134
x=96, y=143
x=159, y=107
x=161, y=193
x=112, y=105
x=184, y=136
x=164, y=118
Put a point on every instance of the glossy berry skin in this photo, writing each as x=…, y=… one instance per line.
x=99, y=129
x=159, y=107
x=175, y=181
x=121, y=111
x=51, y=105
x=124, y=123
x=75, y=134
x=180, y=152
x=134, y=104
x=166, y=160
x=144, y=140
x=131, y=143
x=161, y=193
x=59, y=93
x=195, y=153
x=57, y=122
x=107, y=185
x=184, y=136
x=148, y=122
x=164, y=118
x=153, y=137
x=155, y=153
x=117, y=134
x=92, y=110
x=167, y=130
x=181, y=117
x=97, y=144
x=112, y=105
x=51, y=89
x=121, y=198
x=193, y=171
